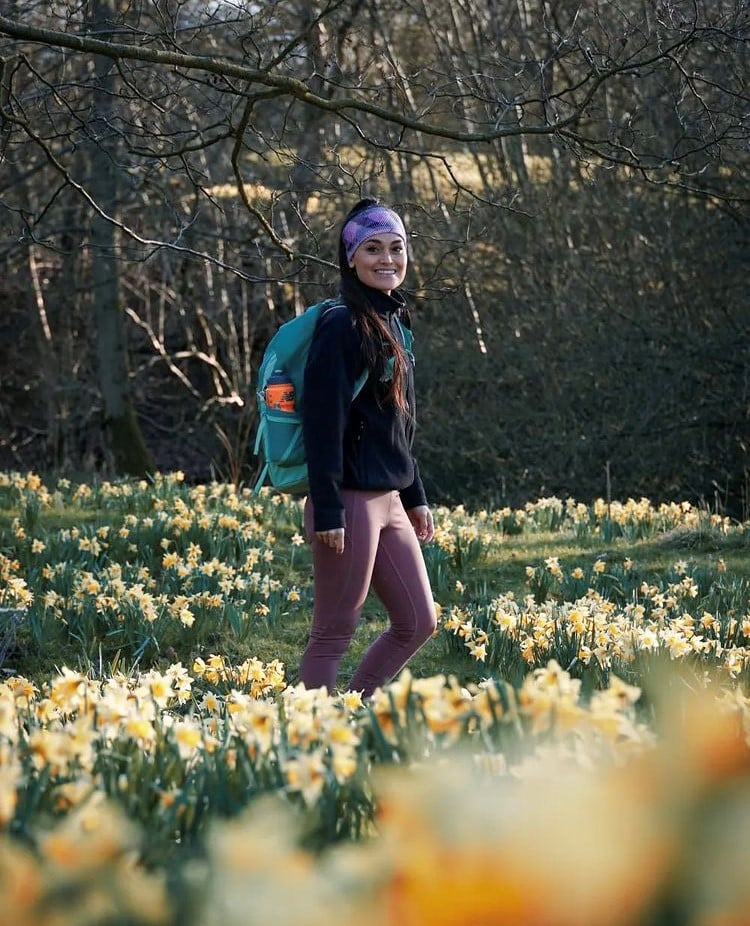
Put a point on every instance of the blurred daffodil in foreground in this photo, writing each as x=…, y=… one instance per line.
x=623, y=842
x=592, y=819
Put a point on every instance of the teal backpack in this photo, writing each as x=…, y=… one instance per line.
x=279, y=441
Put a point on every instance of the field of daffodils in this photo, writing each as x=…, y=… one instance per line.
x=583, y=761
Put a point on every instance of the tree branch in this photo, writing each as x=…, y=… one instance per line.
x=297, y=89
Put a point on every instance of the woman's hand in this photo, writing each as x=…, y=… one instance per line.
x=421, y=519
x=333, y=539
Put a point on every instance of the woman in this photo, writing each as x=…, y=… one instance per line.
x=366, y=511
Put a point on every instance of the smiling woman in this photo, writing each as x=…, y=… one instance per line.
x=366, y=513
x=381, y=262
x=374, y=242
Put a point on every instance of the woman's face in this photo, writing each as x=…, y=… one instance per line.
x=380, y=262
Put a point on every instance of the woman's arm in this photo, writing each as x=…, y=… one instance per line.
x=334, y=364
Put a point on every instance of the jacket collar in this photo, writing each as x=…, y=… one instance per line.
x=386, y=304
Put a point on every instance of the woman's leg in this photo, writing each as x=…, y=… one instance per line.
x=341, y=583
x=400, y=579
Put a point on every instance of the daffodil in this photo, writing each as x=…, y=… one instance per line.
x=306, y=774
x=188, y=737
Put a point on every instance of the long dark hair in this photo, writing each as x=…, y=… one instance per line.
x=375, y=329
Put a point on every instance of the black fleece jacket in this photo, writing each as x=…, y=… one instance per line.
x=360, y=444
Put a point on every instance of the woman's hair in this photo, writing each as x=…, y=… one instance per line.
x=376, y=331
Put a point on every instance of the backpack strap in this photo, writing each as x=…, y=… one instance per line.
x=407, y=338
x=256, y=450
x=359, y=385
x=261, y=479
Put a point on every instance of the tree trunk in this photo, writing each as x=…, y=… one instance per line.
x=125, y=439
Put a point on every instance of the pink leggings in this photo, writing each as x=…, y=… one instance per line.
x=381, y=548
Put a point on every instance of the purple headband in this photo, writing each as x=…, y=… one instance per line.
x=370, y=221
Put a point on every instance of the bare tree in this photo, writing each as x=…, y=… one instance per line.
x=235, y=130
x=126, y=442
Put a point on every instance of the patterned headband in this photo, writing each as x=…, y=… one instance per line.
x=373, y=220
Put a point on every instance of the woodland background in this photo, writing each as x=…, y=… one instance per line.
x=574, y=177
